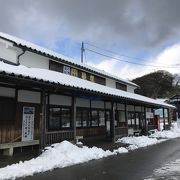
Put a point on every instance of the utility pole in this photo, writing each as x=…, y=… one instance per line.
x=82, y=52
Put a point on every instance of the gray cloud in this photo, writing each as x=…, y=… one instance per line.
x=131, y=24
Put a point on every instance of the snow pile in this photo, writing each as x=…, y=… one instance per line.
x=138, y=142
x=157, y=137
x=57, y=156
x=173, y=133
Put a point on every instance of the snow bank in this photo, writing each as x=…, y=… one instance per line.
x=66, y=154
x=173, y=133
x=138, y=142
x=57, y=156
x=157, y=137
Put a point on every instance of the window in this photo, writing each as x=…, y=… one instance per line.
x=120, y=117
x=98, y=118
x=131, y=118
x=59, y=118
x=121, y=86
x=85, y=118
x=7, y=110
x=65, y=117
x=83, y=75
x=101, y=118
x=55, y=66
x=78, y=118
x=54, y=118
x=82, y=117
x=95, y=118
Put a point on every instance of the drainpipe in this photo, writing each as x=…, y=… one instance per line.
x=18, y=58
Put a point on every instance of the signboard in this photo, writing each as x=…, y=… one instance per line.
x=149, y=115
x=28, y=123
x=83, y=75
x=66, y=70
x=74, y=72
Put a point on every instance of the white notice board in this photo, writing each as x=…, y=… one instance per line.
x=28, y=123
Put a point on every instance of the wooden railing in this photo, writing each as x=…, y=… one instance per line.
x=58, y=136
x=121, y=131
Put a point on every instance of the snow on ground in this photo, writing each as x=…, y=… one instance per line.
x=173, y=133
x=157, y=137
x=167, y=171
x=66, y=154
x=57, y=156
x=138, y=142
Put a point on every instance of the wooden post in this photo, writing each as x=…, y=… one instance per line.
x=90, y=112
x=169, y=120
x=74, y=116
x=145, y=120
x=112, y=121
x=164, y=119
x=126, y=114
x=42, y=124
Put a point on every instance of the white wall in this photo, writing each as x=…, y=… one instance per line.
x=7, y=92
x=6, y=52
x=148, y=109
x=29, y=96
x=110, y=83
x=138, y=109
x=34, y=60
x=130, y=107
x=130, y=88
x=97, y=104
x=82, y=102
x=120, y=106
x=60, y=100
x=108, y=105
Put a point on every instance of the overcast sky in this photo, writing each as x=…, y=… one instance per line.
x=146, y=30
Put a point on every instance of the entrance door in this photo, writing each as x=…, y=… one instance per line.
x=140, y=121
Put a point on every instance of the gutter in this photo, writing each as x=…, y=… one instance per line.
x=18, y=58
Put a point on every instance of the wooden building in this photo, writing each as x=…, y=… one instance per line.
x=47, y=98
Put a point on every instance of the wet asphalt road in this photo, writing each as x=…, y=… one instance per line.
x=135, y=165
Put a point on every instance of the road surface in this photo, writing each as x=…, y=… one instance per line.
x=135, y=165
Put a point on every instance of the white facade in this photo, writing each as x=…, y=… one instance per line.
x=7, y=52
x=31, y=59
x=60, y=100
x=80, y=102
x=7, y=92
x=29, y=96
x=130, y=88
x=110, y=83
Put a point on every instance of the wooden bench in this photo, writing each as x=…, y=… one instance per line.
x=8, y=148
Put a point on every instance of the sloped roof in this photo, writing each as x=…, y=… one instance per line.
x=74, y=82
x=52, y=54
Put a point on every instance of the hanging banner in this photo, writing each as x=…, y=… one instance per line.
x=28, y=123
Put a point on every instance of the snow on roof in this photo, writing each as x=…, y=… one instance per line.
x=67, y=80
x=35, y=47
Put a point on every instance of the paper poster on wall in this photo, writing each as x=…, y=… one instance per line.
x=28, y=123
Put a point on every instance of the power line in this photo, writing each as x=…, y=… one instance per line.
x=130, y=62
x=130, y=57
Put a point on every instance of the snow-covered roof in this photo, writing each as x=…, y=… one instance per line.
x=74, y=82
x=50, y=53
